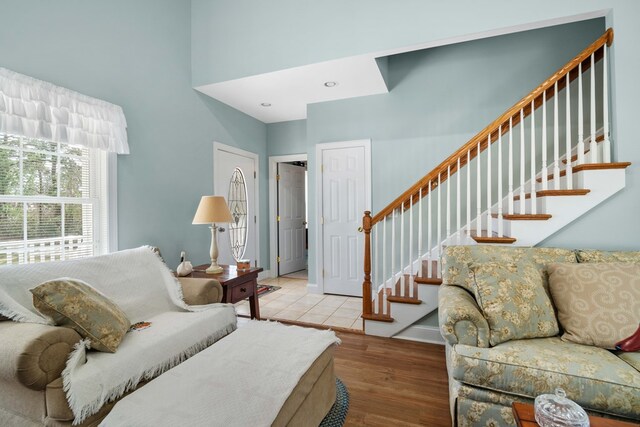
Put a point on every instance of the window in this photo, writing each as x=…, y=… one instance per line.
x=239, y=208
x=52, y=201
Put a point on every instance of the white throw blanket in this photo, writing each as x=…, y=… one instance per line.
x=144, y=288
x=242, y=380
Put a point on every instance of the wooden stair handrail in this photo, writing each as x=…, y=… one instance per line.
x=491, y=131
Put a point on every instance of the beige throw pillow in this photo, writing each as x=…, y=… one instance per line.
x=513, y=299
x=598, y=303
x=75, y=304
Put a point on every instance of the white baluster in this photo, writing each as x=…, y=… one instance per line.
x=375, y=254
x=458, y=208
x=448, y=202
x=533, y=159
x=469, y=193
x=569, y=168
x=500, y=202
x=489, y=205
x=411, y=246
x=420, y=236
x=478, y=194
x=393, y=250
x=593, y=154
x=580, y=118
x=545, y=171
x=384, y=261
x=606, y=144
x=522, y=163
x=402, y=250
x=556, y=140
x=429, y=231
x=510, y=171
x=439, y=229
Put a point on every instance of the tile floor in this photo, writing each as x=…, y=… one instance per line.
x=293, y=302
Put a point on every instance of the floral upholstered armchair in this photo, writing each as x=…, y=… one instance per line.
x=503, y=340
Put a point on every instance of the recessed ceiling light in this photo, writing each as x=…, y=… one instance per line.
x=331, y=84
x=265, y=104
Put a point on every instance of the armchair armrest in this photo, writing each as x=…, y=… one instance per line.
x=200, y=291
x=460, y=318
x=33, y=354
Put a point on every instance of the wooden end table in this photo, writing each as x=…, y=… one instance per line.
x=525, y=417
x=237, y=285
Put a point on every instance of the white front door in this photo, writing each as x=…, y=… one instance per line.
x=291, y=218
x=345, y=196
x=235, y=179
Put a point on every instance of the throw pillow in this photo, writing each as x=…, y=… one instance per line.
x=513, y=299
x=594, y=255
x=75, y=304
x=598, y=303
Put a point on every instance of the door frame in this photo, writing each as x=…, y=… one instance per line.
x=366, y=144
x=273, y=205
x=256, y=160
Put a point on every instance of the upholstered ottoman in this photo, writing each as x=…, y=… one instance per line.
x=263, y=374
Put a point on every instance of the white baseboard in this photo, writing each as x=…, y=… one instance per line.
x=313, y=288
x=421, y=333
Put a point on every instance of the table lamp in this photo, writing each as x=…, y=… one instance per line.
x=213, y=210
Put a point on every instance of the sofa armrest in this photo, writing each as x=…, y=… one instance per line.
x=460, y=318
x=200, y=291
x=33, y=354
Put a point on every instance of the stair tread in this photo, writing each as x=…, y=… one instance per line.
x=544, y=193
x=404, y=300
x=590, y=166
x=494, y=238
x=523, y=217
x=378, y=317
x=428, y=280
x=601, y=166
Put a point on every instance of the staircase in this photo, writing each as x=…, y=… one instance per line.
x=539, y=166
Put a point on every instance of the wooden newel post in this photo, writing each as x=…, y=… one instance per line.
x=366, y=285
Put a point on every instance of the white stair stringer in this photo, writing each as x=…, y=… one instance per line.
x=404, y=315
x=601, y=184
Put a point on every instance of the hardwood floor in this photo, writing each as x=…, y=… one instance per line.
x=393, y=382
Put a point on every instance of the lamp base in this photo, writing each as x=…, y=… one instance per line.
x=214, y=269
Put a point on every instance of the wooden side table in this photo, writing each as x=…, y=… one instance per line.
x=525, y=417
x=237, y=285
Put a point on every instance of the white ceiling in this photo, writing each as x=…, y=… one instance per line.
x=289, y=91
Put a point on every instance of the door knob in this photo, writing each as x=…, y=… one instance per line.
x=304, y=222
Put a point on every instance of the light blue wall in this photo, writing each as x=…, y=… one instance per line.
x=237, y=38
x=287, y=138
x=137, y=54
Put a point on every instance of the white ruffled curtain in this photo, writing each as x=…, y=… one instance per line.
x=36, y=109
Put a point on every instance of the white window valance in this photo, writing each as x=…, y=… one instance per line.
x=34, y=108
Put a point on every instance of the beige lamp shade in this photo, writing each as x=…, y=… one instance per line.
x=212, y=209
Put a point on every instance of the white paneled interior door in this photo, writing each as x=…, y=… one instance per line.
x=235, y=179
x=345, y=196
x=291, y=218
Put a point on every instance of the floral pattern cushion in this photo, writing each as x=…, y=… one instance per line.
x=472, y=413
x=606, y=256
x=75, y=304
x=632, y=358
x=456, y=260
x=598, y=303
x=513, y=300
x=461, y=321
x=595, y=378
